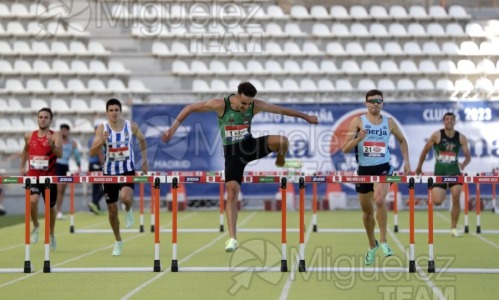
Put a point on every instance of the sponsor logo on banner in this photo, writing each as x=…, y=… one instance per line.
x=266, y=179
x=66, y=179
x=355, y=179
x=449, y=179
x=393, y=179
x=10, y=180
x=488, y=179
x=103, y=179
x=192, y=179
x=318, y=179
x=141, y=179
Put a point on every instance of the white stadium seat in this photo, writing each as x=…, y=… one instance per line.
x=299, y=12
x=427, y=67
x=378, y=12
x=366, y=84
x=325, y=84
x=339, y=12
x=425, y=84
x=418, y=12
x=319, y=12
x=272, y=85
x=398, y=12
x=438, y=12
x=405, y=84
x=358, y=12
x=389, y=67
x=386, y=84
x=55, y=85
x=75, y=85
x=59, y=105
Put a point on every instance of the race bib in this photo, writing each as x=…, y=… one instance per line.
x=374, y=149
x=236, y=132
x=119, y=154
x=447, y=157
x=38, y=162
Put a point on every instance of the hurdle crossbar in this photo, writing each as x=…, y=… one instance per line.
x=48, y=180
x=175, y=180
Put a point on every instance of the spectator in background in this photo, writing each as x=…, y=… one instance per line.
x=95, y=165
x=69, y=147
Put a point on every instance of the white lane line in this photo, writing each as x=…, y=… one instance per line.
x=40, y=271
x=212, y=242
x=479, y=236
x=436, y=290
x=287, y=286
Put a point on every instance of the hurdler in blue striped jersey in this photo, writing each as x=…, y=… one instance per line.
x=115, y=137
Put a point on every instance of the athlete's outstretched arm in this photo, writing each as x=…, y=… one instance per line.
x=217, y=105
x=261, y=105
x=427, y=147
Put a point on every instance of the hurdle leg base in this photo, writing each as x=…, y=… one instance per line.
x=152, y=228
x=284, y=265
x=315, y=228
x=466, y=229
x=141, y=229
x=71, y=229
x=157, y=265
x=46, y=266
x=221, y=228
x=301, y=266
x=431, y=266
x=412, y=266
x=27, y=266
x=174, y=267
x=478, y=229
x=396, y=228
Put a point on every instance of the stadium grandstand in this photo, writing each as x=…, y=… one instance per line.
x=73, y=57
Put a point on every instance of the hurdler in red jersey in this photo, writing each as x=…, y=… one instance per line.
x=41, y=160
x=41, y=150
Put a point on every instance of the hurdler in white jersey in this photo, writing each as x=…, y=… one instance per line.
x=115, y=137
x=118, y=152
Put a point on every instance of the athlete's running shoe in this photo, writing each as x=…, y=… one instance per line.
x=371, y=254
x=129, y=218
x=117, y=248
x=231, y=245
x=455, y=233
x=34, y=235
x=53, y=243
x=387, y=251
x=93, y=208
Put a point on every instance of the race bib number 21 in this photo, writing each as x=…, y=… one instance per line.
x=374, y=149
